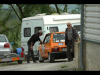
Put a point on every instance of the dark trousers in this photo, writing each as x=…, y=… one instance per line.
x=32, y=54
x=70, y=45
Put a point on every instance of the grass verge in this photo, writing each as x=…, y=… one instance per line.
x=64, y=66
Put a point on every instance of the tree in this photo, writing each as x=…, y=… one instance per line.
x=26, y=10
x=15, y=11
x=57, y=8
x=65, y=8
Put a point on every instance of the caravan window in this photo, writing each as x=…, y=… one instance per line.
x=37, y=29
x=27, y=32
x=53, y=29
x=77, y=27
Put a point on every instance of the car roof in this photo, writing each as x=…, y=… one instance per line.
x=2, y=35
x=56, y=32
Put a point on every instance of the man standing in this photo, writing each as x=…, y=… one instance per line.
x=31, y=42
x=71, y=36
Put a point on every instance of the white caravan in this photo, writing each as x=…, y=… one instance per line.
x=46, y=23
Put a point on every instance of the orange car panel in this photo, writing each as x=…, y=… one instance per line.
x=48, y=46
x=46, y=49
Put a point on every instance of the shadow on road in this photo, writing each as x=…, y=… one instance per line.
x=8, y=63
x=56, y=61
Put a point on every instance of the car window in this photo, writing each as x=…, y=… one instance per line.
x=47, y=38
x=3, y=39
x=59, y=37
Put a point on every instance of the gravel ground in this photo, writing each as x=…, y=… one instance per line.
x=45, y=66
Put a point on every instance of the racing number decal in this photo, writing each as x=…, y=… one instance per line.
x=43, y=49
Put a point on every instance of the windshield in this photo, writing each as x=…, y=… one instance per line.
x=2, y=39
x=59, y=37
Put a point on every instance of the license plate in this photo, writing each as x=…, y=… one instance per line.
x=64, y=49
x=60, y=44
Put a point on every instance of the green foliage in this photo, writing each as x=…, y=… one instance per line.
x=77, y=10
x=5, y=16
x=1, y=5
x=27, y=9
x=7, y=22
x=64, y=66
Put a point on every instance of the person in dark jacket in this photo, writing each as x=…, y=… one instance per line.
x=71, y=36
x=31, y=42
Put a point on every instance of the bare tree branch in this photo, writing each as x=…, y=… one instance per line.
x=65, y=8
x=20, y=10
x=49, y=9
x=57, y=8
x=15, y=12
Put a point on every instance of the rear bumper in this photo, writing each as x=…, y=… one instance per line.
x=61, y=54
x=12, y=59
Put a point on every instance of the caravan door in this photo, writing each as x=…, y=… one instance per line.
x=37, y=25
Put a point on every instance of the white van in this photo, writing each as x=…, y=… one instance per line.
x=46, y=23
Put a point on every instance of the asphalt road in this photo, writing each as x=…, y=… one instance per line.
x=45, y=66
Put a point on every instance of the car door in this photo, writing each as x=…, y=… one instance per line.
x=46, y=46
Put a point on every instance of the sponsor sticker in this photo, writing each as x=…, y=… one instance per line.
x=57, y=40
x=62, y=40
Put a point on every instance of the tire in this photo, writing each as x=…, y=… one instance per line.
x=40, y=58
x=19, y=61
x=50, y=58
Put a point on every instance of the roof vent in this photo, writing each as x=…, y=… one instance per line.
x=54, y=14
x=41, y=14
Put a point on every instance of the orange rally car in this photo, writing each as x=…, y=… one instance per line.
x=53, y=48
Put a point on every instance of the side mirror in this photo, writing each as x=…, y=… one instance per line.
x=12, y=43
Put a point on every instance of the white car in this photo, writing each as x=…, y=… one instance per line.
x=5, y=46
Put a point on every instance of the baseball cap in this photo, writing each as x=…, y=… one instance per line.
x=40, y=31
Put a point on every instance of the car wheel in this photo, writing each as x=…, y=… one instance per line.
x=51, y=58
x=40, y=58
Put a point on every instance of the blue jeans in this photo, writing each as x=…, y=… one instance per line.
x=32, y=54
